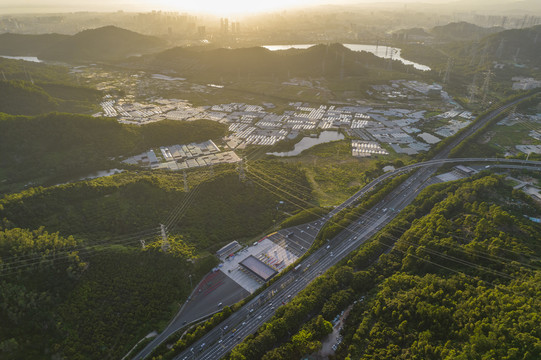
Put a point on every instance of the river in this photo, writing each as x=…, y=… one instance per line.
x=378, y=50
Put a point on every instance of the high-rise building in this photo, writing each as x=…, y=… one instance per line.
x=201, y=31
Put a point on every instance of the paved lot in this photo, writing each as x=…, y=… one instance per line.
x=215, y=288
x=266, y=251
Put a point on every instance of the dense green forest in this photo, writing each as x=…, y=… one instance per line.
x=27, y=98
x=96, y=290
x=91, y=305
x=461, y=282
x=53, y=148
x=30, y=88
x=223, y=208
x=332, y=61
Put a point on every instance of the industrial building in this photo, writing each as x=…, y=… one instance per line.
x=258, y=268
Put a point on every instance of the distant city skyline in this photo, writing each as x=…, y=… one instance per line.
x=214, y=7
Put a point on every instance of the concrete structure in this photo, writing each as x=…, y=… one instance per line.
x=258, y=268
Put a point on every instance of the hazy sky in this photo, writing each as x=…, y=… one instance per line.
x=216, y=7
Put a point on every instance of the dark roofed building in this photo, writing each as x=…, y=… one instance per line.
x=258, y=268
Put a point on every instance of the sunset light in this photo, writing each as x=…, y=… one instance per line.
x=220, y=7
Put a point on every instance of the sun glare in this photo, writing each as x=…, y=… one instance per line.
x=229, y=7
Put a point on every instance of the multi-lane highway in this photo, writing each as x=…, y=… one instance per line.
x=250, y=317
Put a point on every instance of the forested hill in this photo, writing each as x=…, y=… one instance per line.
x=461, y=282
x=27, y=98
x=318, y=61
x=28, y=45
x=105, y=43
x=93, y=295
x=461, y=31
x=519, y=45
x=30, y=88
x=48, y=149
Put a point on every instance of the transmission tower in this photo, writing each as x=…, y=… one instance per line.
x=486, y=85
x=390, y=61
x=515, y=59
x=165, y=242
x=143, y=245
x=342, y=66
x=242, y=175
x=186, y=187
x=472, y=89
x=499, y=51
x=448, y=71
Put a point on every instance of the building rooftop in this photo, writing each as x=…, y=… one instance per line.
x=258, y=268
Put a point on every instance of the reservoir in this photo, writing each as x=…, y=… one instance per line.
x=308, y=142
x=101, y=173
x=378, y=50
x=25, y=58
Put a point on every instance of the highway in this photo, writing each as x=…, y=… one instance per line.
x=245, y=321
x=250, y=317
x=306, y=234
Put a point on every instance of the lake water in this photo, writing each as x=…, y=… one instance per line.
x=26, y=58
x=380, y=51
x=101, y=173
x=165, y=77
x=308, y=142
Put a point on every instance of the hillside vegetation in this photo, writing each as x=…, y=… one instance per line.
x=83, y=307
x=30, y=88
x=83, y=276
x=225, y=209
x=518, y=50
x=101, y=44
x=462, y=274
x=318, y=61
x=52, y=148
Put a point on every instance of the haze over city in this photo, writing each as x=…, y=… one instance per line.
x=244, y=7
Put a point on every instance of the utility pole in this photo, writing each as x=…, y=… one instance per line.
x=165, y=242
